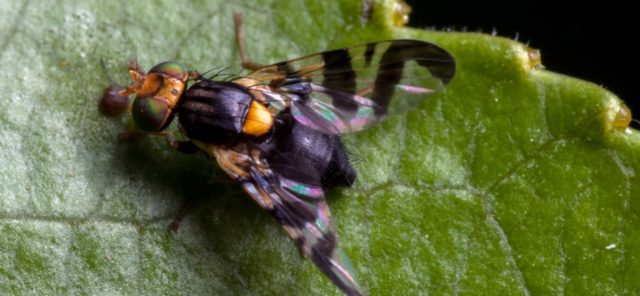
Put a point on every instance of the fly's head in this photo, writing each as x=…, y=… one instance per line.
x=158, y=92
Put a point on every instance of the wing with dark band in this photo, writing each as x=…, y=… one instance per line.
x=303, y=213
x=350, y=89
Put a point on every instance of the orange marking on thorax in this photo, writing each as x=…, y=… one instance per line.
x=258, y=121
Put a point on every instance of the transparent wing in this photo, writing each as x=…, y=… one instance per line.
x=303, y=213
x=349, y=89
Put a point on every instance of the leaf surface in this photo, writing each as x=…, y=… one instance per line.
x=513, y=180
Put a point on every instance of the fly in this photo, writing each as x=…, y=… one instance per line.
x=276, y=130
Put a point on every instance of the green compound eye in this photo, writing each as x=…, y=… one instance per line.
x=150, y=114
x=171, y=69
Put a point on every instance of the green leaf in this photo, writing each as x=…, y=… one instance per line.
x=513, y=180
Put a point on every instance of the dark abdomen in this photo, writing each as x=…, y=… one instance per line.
x=305, y=155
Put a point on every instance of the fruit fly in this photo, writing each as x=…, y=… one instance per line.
x=275, y=131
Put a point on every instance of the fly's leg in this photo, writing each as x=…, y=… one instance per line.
x=186, y=147
x=186, y=206
x=245, y=62
x=182, y=146
x=189, y=204
x=177, y=219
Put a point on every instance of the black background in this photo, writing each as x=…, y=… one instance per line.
x=594, y=42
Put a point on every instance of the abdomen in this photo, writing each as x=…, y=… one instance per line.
x=310, y=157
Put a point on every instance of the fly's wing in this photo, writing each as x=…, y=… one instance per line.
x=349, y=89
x=303, y=213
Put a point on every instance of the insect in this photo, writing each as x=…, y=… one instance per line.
x=275, y=131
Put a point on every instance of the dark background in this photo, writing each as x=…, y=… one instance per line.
x=594, y=42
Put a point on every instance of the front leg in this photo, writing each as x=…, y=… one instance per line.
x=186, y=147
x=183, y=146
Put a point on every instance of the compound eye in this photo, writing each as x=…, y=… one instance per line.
x=171, y=69
x=151, y=114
